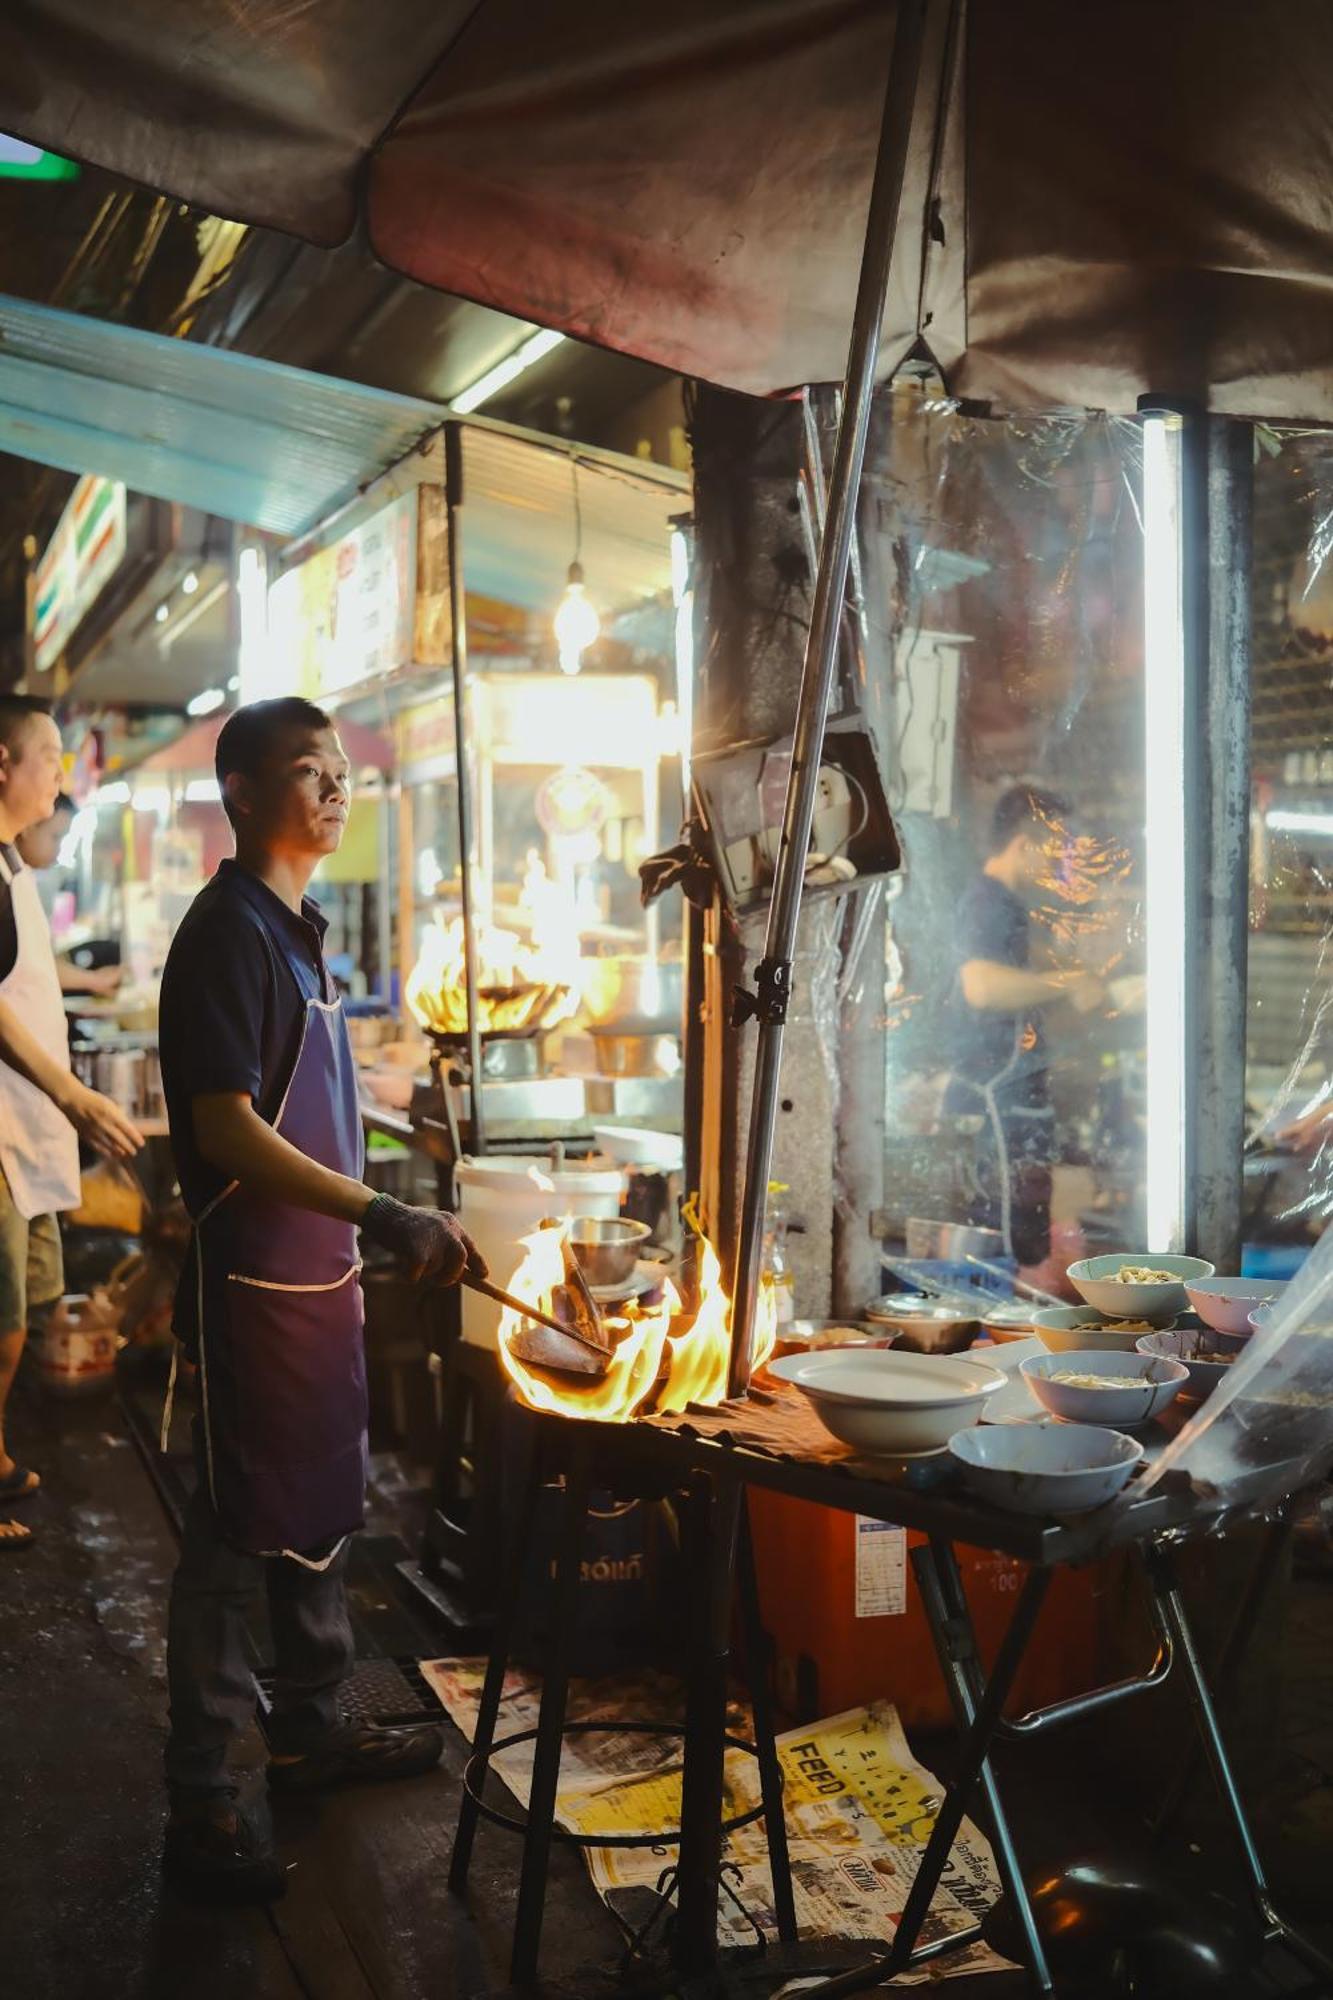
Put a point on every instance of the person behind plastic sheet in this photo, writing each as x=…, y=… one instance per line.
x=44, y=1110
x=39, y=849
x=1001, y=1066
x=262, y=1103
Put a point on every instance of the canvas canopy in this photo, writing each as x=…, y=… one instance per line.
x=1100, y=200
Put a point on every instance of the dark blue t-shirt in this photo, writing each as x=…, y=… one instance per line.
x=993, y=924
x=239, y=973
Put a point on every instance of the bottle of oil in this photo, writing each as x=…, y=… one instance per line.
x=777, y=1265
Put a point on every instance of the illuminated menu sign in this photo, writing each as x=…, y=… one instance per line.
x=80, y=559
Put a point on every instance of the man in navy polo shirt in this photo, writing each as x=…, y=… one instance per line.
x=265, y=1121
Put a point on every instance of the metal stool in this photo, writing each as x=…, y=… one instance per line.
x=717, y=1534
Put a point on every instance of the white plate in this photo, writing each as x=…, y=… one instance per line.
x=636, y=1146
x=885, y=1400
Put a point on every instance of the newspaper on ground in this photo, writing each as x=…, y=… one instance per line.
x=859, y=1811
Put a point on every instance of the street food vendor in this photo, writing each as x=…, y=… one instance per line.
x=1001, y=1065
x=44, y=1110
x=262, y=1101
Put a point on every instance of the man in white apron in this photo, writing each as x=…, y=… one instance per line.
x=1001, y=1066
x=266, y=1127
x=44, y=1110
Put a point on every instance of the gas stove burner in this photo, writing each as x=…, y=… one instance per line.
x=509, y=1053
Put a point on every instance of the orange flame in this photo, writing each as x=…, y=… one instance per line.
x=518, y=985
x=656, y=1348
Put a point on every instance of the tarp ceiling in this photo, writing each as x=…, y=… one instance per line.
x=1101, y=200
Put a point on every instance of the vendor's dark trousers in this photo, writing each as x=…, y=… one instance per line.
x=211, y=1688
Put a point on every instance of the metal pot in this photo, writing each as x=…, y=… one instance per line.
x=927, y=1326
x=606, y=1248
x=634, y=995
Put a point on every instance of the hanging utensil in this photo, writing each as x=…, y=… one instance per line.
x=1019, y=1284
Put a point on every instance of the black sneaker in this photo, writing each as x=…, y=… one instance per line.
x=215, y=1854
x=358, y=1753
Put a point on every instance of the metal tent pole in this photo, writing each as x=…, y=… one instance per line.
x=453, y=490
x=773, y=974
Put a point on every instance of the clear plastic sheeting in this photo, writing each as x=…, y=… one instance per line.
x=1003, y=582
x=1267, y=1429
x=1289, y=1036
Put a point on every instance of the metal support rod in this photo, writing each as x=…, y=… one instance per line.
x=1162, y=1576
x=972, y=1767
x=773, y=977
x=1217, y=1066
x=453, y=491
x=1076, y=1706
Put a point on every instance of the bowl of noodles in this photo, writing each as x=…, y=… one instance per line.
x=1137, y=1284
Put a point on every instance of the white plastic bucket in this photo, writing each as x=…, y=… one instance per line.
x=75, y=1351
x=500, y=1201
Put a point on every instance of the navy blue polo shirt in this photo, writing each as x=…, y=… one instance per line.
x=239, y=973
x=993, y=924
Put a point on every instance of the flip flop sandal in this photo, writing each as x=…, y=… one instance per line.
x=14, y=1536
x=20, y=1484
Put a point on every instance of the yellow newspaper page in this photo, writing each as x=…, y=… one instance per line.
x=859, y=1809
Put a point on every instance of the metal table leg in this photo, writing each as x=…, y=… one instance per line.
x=945, y=1602
x=1162, y=1576
x=956, y=1642
x=757, y=1650
x=1267, y=1565
x=524, y=1521
x=712, y=1512
x=551, y=1718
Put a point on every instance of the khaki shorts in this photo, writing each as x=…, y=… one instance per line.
x=32, y=1267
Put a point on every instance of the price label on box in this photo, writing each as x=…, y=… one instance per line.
x=881, y=1569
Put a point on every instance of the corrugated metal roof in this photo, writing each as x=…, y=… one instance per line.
x=248, y=439
x=530, y=507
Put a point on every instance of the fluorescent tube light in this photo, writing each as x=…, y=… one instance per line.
x=206, y=702
x=1281, y=821
x=1164, y=762
x=506, y=371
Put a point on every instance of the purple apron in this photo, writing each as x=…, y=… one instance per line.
x=282, y=1373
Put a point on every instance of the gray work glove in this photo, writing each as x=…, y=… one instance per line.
x=432, y=1248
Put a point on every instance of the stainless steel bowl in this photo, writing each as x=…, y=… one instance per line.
x=927, y=1326
x=634, y=995
x=606, y=1248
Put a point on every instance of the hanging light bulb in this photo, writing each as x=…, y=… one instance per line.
x=576, y=622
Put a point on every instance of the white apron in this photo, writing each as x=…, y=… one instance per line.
x=39, y=1148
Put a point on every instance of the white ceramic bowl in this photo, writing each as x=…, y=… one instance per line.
x=1009, y=1319
x=1095, y=1280
x=1159, y=1381
x=1225, y=1304
x=1072, y=1329
x=1188, y=1344
x=1045, y=1468
x=886, y=1400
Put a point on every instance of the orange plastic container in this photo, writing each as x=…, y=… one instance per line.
x=829, y=1658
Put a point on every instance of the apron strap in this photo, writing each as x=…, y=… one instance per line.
x=169, y=1400
x=308, y=1562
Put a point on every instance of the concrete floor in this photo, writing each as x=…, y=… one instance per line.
x=368, y=1916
